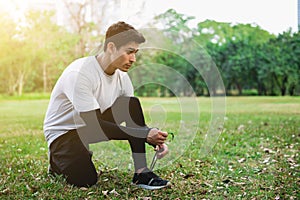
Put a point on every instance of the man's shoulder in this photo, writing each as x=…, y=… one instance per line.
x=80, y=62
x=81, y=65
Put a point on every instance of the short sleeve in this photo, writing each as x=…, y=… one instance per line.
x=127, y=88
x=79, y=90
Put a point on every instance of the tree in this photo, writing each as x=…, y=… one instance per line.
x=88, y=19
x=8, y=45
x=214, y=32
x=175, y=25
x=51, y=46
x=183, y=56
x=15, y=57
x=295, y=50
x=32, y=53
x=281, y=69
x=234, y=50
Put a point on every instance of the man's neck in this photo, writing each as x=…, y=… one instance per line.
x=105, y=64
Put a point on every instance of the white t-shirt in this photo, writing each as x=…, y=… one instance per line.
x=82, y=87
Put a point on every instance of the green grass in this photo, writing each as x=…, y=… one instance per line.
x=256, y=156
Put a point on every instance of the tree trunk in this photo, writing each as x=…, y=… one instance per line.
x=292, y=89
x=45, y=82
x=283, y=87
x=240, y=89
x=21, y=83
x=283, y=91
x=12, y=89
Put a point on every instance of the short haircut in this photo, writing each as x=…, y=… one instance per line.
x=121, y=34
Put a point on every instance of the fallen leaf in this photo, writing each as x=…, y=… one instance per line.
x=266, y=150
x=181, y=174
x=114, y=192
x=105, y=192
x=266, y=160
x=291, y=160
x=242, y=160
x=5, y=191
x=31, y=188
x=83, y=188
x=209, y=185
x=241, y=128
x=239, y=183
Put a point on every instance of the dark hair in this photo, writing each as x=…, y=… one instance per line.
x=121, y=34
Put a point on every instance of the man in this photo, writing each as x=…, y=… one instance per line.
x=90, y=100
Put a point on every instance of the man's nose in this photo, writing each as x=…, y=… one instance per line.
x=132, y=57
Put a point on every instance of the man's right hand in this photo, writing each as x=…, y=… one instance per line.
x=156, y=137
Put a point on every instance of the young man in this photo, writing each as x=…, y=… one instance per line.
x=90, y=100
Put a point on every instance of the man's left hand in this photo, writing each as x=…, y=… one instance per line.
x=162, y=150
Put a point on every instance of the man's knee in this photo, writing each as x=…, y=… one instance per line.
x=125, y=103
x=82, y=179
x=127, y=99
x=134, y=102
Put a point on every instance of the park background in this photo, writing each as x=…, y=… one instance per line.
x=257, y=154
x=37, y=43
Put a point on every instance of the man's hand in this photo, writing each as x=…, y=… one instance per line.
x=156, y=137
x=162, y=150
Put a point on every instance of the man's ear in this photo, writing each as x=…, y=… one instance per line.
x=111, y=47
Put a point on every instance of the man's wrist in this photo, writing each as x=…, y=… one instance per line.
x=146, y=139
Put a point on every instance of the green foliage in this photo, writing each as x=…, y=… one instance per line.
x=175, y=25
x=248, y=57
x=256, y=156
x=281, y=66
x=35, y=52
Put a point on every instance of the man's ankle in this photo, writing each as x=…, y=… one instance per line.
x=138, y=171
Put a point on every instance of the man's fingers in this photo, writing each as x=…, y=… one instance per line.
x=164, y=134
x=162, y=138
x=157, y=137
x=160, y=142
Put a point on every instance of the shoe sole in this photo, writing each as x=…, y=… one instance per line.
x=149, y=187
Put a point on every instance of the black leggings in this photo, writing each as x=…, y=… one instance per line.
x=69, y=156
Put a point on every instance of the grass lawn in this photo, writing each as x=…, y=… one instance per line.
x=255, y=157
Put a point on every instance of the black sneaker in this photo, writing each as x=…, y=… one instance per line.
x=148, y=180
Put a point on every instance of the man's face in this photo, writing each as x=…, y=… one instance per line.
x=124, y=57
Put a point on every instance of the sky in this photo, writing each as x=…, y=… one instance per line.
x=274, y=16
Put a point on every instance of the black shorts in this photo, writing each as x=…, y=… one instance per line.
x=69, y=157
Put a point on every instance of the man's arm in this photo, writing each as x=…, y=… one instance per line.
x=97, y=129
